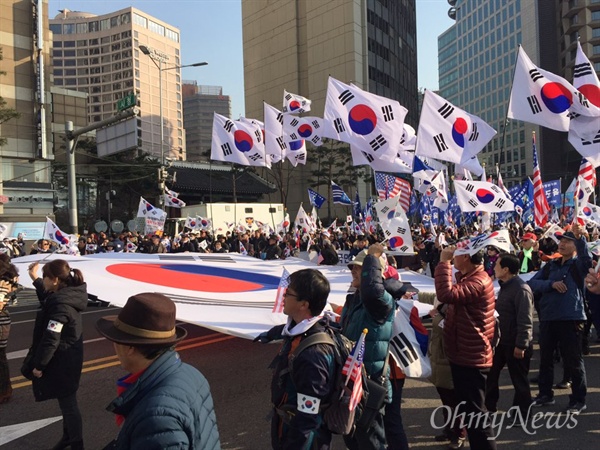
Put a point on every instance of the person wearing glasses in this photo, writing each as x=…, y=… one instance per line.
x=8, y=285
x=41, y=246
x=55, y=358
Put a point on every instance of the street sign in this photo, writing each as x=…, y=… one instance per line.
x=126, y=102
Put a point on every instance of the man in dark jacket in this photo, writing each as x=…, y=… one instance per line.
x=468, y=335
x=371, y=307
x=562, y=317
x=515, y=310
x=302, y=384
x=162, y=402
x=273, y=250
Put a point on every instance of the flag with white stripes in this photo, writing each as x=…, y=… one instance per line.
x=339, y=196
x=541, y=206
x=284, y=282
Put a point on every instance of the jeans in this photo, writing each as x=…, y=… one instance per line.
x=394, y=430
x=518, y=370
x=469, y=384
x=567, y=334
x=72, y=424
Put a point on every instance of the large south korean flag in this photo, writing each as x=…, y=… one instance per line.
x=482, y=196
x=372, y=123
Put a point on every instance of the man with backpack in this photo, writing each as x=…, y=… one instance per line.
x=303, y=381
x=562, y=317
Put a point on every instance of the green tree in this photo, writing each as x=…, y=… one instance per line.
x=6, y=114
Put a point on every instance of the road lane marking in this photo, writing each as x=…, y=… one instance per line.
x=11, y=432
x=189, y=343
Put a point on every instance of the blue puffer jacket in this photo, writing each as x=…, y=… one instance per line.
x=553, y=304
x=170, y=406
x=370, y=307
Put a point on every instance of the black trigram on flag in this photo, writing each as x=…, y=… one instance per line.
x=469, y=188
x=228, y=125
x=315, y=139
x=300, y=157
x=280, y=118
x=315, y=123
x=339, y=125
x=288, y=97
x=377, y=143
x=403, y=248
x=446, y=110
x=473, y=203
x=403, y=349
x=387, y=233
x=282, y=145
x=401, y=230
x=474, y=134
x=500, y=203
x=226, y=148
x=294, y=137
x=388, y=113
x=294, y=122
x=255, y=157
x=534, y=104
x=535, y=75
x=258, y=135
x=596, y=140
x=368, y=157
x=385, y=209
x=573, y=115
x=582, y=99
x=440, y=143
x=580, y=70
x=345, y=97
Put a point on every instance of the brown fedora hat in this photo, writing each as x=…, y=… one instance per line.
x=146, y=319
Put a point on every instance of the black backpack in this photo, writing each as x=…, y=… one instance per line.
x=336, y=415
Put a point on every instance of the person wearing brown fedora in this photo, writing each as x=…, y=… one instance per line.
x=162, y=402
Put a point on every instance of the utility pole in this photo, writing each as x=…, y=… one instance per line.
x=71, y=137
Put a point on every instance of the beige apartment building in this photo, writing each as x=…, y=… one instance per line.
x=101, y=55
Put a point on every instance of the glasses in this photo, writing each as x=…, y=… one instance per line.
x=44, y=244
x=289, y=294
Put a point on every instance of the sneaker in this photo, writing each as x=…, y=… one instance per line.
x=542, y=400
x=576, y=407
x=564, y=384
x=456, y=442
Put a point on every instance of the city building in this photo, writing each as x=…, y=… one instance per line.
x=476, y=58
x=25, y=178
x=199, y=105
x=297, y=44
x=101, y=55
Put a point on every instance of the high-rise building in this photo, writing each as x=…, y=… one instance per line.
x=25, y=179
x=199, y=105
x=476, y=58
x=101, y=55
x=297, y=44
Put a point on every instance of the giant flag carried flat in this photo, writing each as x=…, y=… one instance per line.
x=543, y=98
x=481, y=196
x=237, y=142
x=295, y=104
x=53, y=233
x=448, y=133
x=315, y=198
x=339, y=196
x=302, y=128
x=541, y=206
x=372, y=123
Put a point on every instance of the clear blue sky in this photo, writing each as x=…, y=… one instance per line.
x=211, y=30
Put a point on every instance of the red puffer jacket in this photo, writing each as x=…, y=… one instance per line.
x=469, y=323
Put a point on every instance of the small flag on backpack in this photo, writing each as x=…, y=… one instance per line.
x=352, y=370
x=283, y=285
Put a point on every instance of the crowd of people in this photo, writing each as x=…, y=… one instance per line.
x=475, y=333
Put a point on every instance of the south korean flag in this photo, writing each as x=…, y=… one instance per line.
x=373, y=123
x=237, y=142
x=302, y=128
x=448, y=133
x=398, y=234
x=482, y=196
x=295, y=104
x=499, y=239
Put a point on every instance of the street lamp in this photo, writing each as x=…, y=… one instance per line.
x=161, y=58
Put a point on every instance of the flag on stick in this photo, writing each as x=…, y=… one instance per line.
x=284, y=282
x=339, y=196
x=353, y=370
x=541, y=206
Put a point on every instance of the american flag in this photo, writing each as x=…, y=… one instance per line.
x=283, y=285
x=588, y=171
x=353, y=368
x=541, y=206
x=389, y=186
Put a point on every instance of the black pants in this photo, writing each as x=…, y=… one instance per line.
x=5, y=387
x=448, y=398
x=394, y=430
x=567, y=334
x=72, y=427
x=518, y=370
x=373, y=438
x=469, y=384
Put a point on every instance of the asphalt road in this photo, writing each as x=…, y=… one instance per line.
x=239, y=378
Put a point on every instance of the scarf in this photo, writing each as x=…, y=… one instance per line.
x=527, y=255
x=300, y=328
x=122, y=385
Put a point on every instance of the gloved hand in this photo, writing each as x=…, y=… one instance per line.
x=263, y=338
x=271, y=335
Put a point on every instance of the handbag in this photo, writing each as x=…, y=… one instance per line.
x=376, y=393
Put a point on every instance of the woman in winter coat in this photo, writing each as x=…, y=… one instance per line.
x=55, y=358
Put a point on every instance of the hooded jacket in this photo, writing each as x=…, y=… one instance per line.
x=57, y=345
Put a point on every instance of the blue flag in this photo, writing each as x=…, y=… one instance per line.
x=339, y=196
x=316, y=199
